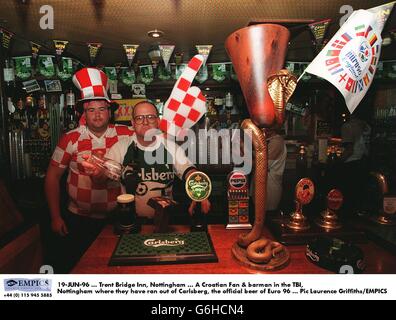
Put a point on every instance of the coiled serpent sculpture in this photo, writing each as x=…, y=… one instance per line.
x=257, y=53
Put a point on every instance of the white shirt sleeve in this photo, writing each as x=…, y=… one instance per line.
x=118, y=151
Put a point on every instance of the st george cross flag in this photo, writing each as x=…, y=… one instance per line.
x=350, y=58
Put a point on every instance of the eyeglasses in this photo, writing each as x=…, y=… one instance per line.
x=151, y=118
x=100, y=109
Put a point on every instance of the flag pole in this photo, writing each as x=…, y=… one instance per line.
x=301, y=76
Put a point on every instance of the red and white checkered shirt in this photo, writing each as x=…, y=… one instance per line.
x=87, y=197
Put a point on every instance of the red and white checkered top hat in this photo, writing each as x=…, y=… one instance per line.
x=93, y=84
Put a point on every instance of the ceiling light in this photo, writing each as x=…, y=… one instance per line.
x=155, y=33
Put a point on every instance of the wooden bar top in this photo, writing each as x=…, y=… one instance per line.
x=96, y=258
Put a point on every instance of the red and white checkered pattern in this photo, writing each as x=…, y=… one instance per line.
x=186, y=104
x=87, y=197
x=93, y=84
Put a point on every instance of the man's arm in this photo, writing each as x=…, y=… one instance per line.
x=52, y=192
x=188, y=172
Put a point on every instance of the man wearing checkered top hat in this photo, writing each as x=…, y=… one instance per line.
x=90, y=200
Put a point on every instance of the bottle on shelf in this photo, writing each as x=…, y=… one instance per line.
x=10, y=105
x=210, y=105
x=301, y=162
x=8, y=74
x=70, y=116
x=43, y=118
x=9, y=78
x=11, y=112
x=32, y=114
x=218, y=104
x=229, y=101
x=228, y=121
x=20, y=116
x=160, y=107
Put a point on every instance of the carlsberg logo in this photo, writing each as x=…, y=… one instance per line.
x=152, y=175
x=163, y=243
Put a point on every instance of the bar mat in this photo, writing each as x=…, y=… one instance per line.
x=163, y=248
